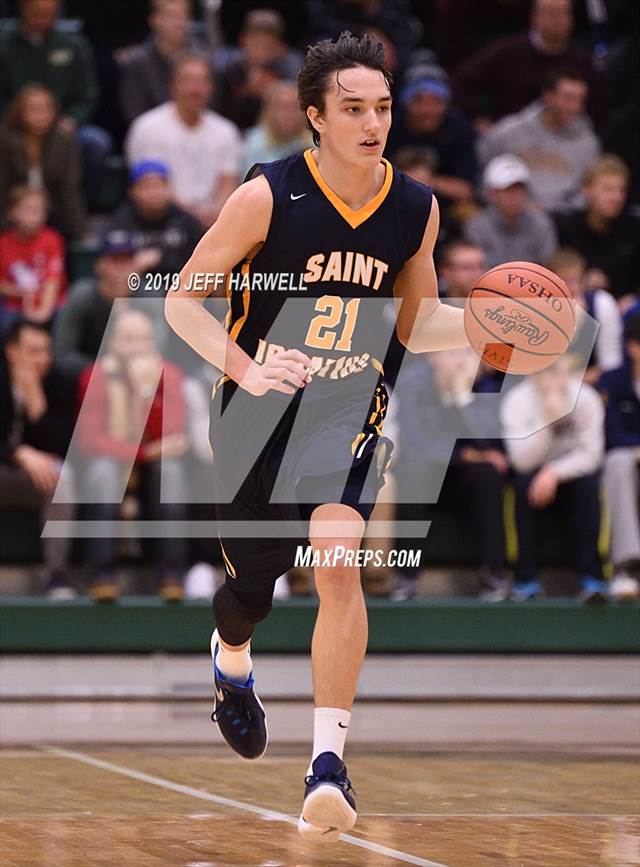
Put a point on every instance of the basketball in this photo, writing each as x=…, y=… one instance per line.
x=519, y=317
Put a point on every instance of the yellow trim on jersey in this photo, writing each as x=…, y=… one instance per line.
x=377, y=417
x=356, y=442
x=246, y=298
x=227, y=561
x=354, y=217
x=227, y=292
x=216, y=385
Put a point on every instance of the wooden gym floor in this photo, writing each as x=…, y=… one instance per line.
x=198, y=806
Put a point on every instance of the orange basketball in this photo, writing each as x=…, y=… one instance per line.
x=519, y=317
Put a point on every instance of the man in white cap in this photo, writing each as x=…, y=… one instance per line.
x=510, y=228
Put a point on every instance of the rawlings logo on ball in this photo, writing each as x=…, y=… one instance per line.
x=518, y=323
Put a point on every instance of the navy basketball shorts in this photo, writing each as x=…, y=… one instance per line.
x=326, y=454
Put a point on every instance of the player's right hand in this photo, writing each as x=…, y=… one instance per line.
x=286, y=371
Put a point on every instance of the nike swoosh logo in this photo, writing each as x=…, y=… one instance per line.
x=293, y=198
x=329, y=830
x=342, y=727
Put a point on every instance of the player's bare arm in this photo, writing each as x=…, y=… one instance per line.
x=424, y=323
x=237, y=233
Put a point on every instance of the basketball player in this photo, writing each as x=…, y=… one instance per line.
x=305, y=371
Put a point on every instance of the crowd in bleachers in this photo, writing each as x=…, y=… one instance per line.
x=525, y=123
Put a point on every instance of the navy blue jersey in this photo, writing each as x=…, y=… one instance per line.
x=324, y=273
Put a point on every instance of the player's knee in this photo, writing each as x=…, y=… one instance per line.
x=338, y=569
x=237, y=613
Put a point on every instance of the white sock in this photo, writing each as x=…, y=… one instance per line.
x=330, y=726
x=234, y=664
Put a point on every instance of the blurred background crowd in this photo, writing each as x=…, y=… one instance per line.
x=124, y=126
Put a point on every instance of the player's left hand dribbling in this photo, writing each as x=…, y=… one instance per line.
x=285, y=371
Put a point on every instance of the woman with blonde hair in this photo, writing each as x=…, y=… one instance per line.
x=281, y=131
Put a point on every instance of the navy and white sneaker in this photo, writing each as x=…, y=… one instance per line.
x=238, y=712
x=329, y=808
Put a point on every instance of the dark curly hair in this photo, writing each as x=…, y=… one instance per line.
x=327, y=57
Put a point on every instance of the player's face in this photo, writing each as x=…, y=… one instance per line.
x=357, y=115
x=607, y=194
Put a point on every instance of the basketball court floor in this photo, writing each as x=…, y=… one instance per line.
x=462, y=780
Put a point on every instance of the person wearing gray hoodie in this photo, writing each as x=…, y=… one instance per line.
x=555, y=139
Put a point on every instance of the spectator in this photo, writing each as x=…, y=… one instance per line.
x=32, y=275
x=620, y=136
x=282, y=129
x=164, y=237
x=621, y=391
x=34, y=151
x=553, y=137
x=428, y=119
x=36, y=52
x=328, y=18
x=606, y=354
x=391, y=56
x=146, y=69
x=203, y=575
x=420, y=164
x=121, y=421
x=461, y=266
x=460, y=25
x=200, y=147
x=435, y=397
x=510, y=229
x=82, y=322
x=243, y=74
x=163, y=234
x=606, y=235
x=508, y=74
x=37, y=410
x=560, y=461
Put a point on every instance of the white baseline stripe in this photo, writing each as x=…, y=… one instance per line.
x=504, y=815
x=228, y=802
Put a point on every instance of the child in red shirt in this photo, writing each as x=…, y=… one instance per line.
x=32, y=272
